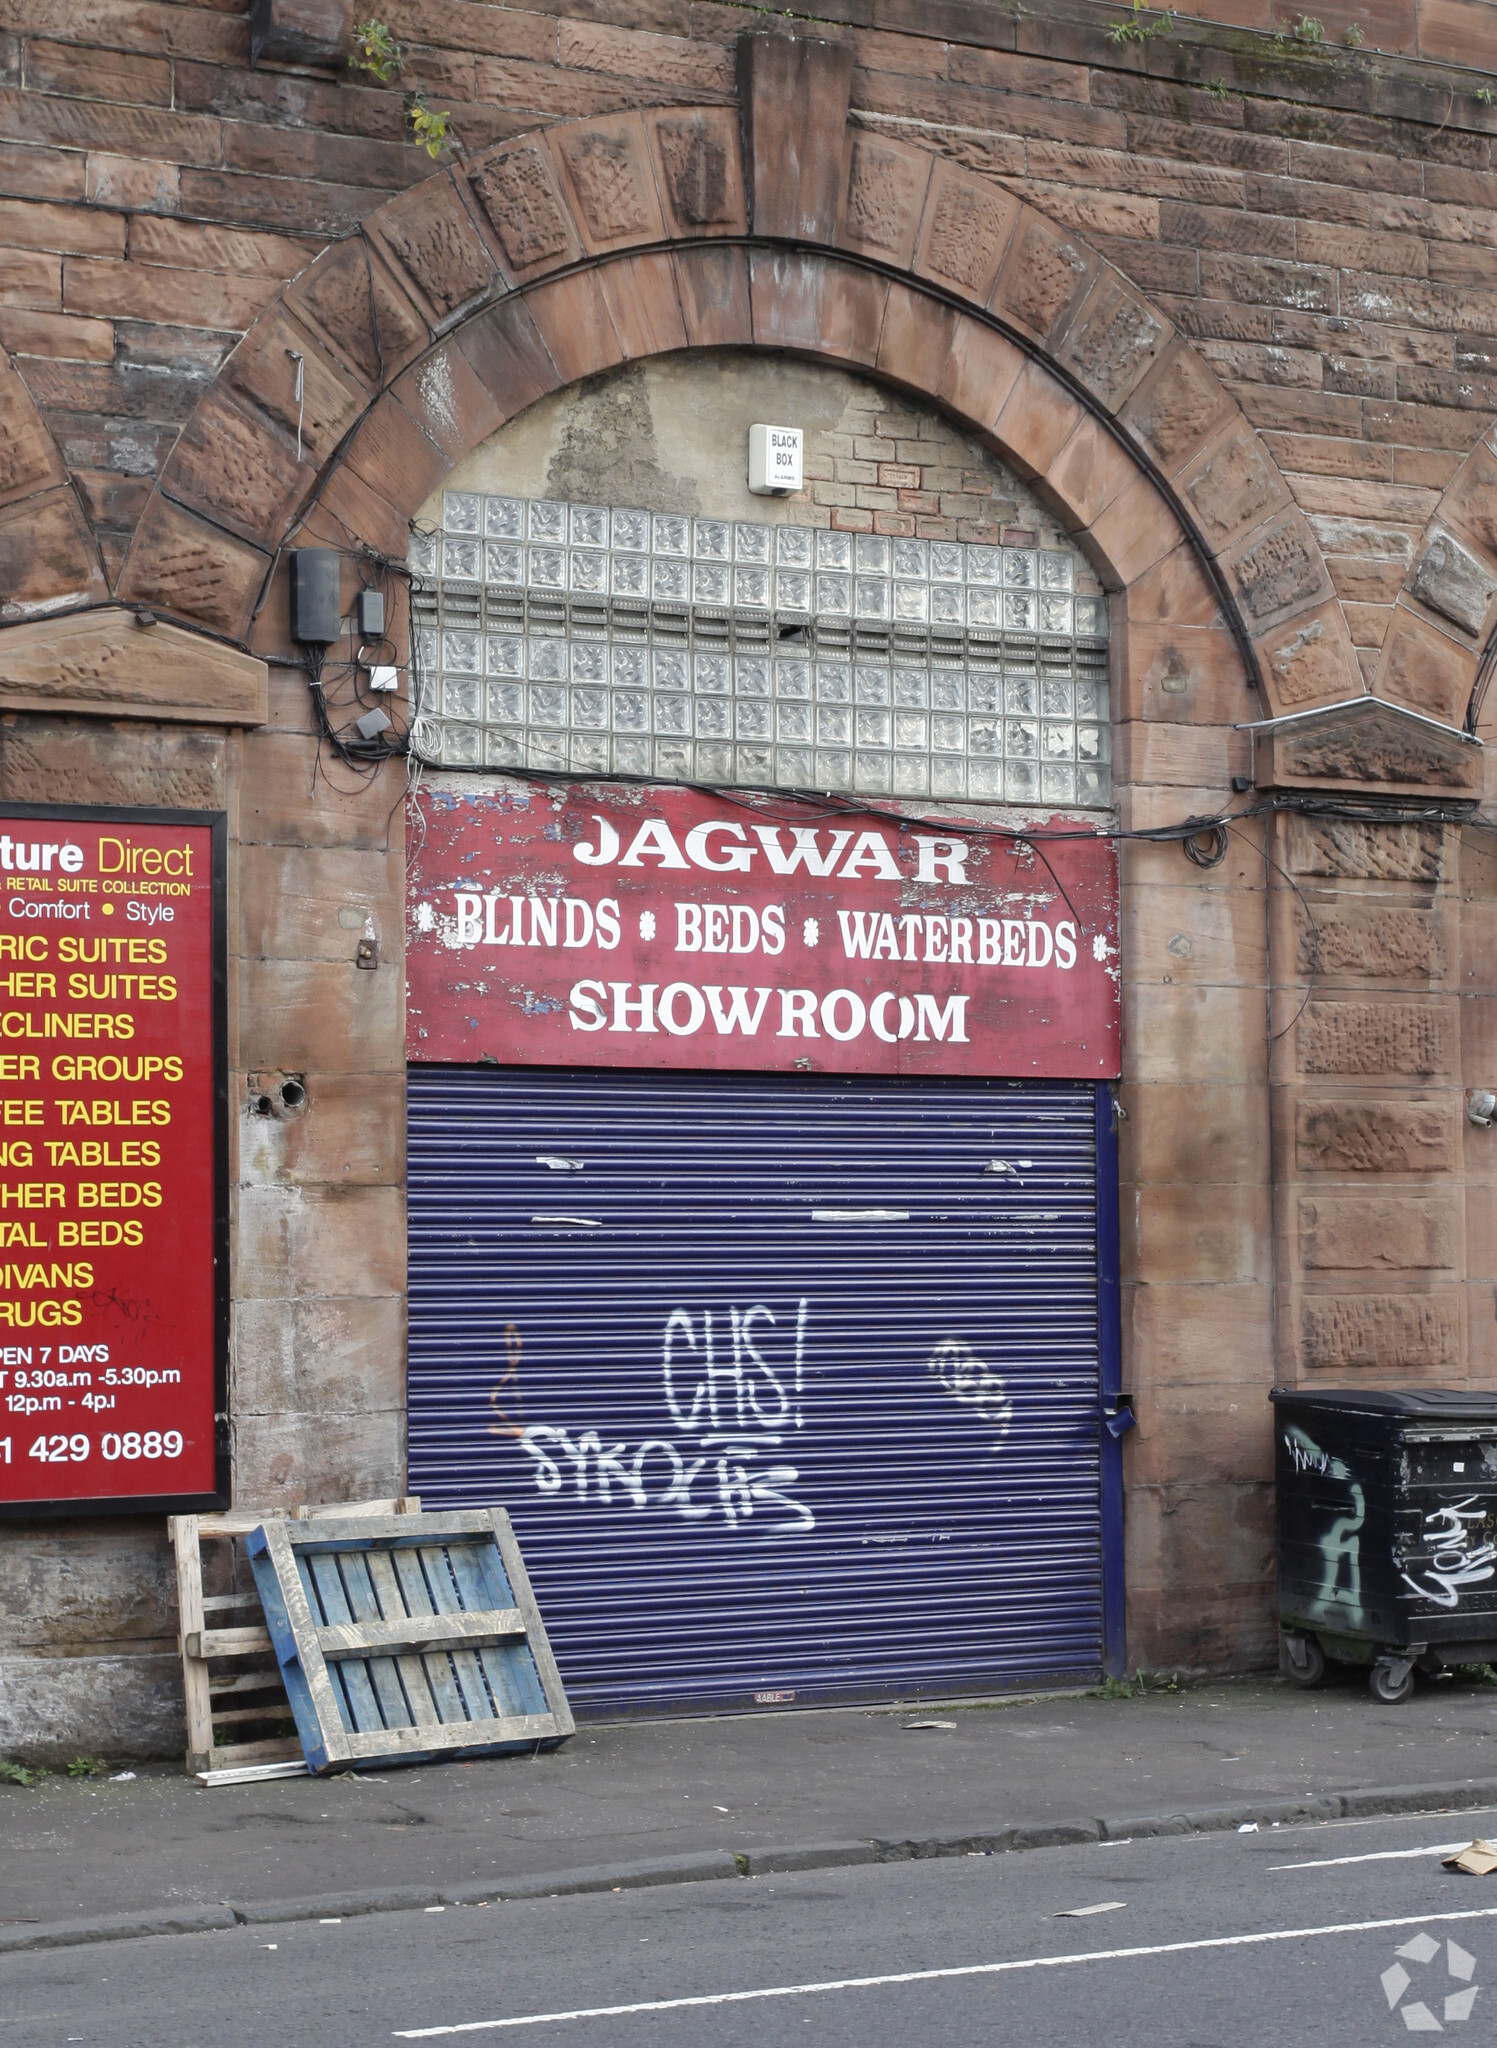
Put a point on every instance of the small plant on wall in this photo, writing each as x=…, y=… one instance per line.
x=376, y=51
x=1139, y=29
x=432, y=130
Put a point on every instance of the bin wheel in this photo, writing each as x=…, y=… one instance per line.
x=1391, y=1681
x=1312, y=1669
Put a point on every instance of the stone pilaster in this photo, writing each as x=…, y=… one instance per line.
x=1368, y=1113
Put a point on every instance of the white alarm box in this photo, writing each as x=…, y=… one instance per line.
x=776, y=460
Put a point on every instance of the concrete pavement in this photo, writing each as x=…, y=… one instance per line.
x=648, y=1802
x=1345, y=1933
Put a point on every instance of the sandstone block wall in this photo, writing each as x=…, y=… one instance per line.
x=1265, y=263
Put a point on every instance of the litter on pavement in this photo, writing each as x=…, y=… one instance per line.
x=1479, y=1860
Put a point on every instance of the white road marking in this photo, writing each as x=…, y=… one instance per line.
x=1097, y=1955
x=1085, y=1912
x=1375, y=1820
x=1377, y=1856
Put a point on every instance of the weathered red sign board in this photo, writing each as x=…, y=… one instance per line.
x=113, y=1151
x=598, y=925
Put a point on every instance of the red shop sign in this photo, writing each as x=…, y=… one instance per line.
x=113, y=1151
x=628, y=927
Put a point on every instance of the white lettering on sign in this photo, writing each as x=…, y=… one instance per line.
x=36, y=859
x=683, y=1009
x=533, y=921
x=680, y=928
x=1001, y=942
x=722, y=846
x=729, y=928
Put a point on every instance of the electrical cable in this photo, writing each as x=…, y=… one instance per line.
x=339, y=695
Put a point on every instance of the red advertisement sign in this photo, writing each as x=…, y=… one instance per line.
x=113, y=1236
x=608, y=926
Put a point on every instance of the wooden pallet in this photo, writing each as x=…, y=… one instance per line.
x=406, y=1638
x=230, y=1677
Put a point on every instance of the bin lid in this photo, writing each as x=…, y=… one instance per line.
x=1430, y=1404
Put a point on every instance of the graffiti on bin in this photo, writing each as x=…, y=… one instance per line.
x=1341, y=1545
x=1455, y=1561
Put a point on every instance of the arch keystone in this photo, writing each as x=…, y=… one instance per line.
x=795, y=92
x=564, y=252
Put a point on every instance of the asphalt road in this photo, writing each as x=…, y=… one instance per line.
x=1207, y=1942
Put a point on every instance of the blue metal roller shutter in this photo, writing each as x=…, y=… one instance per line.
x=791, y=1387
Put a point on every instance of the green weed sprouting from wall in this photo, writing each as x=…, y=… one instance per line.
x=376, y=51
x=1138, y=29
x=430, y=129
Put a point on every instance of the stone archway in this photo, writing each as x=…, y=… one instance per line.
x=571, y=249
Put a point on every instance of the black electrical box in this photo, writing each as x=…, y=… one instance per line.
x=371, y=615
x=316, y=615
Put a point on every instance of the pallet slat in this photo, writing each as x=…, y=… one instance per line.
x=226, y=1642
x=440, y=1675
x=411, y=1671
x=228, y=1756
x=404, y=1638
x=456, y=1631
x=226, y=1717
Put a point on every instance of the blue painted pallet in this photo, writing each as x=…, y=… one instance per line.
x=407, y=1638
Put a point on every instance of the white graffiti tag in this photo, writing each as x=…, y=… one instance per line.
x=1454, y=1561
x=729, y=1406
x=657, y=1475
x=970, y=1379
x=1341, y=1545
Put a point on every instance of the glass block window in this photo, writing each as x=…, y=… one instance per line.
x=592, y=639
